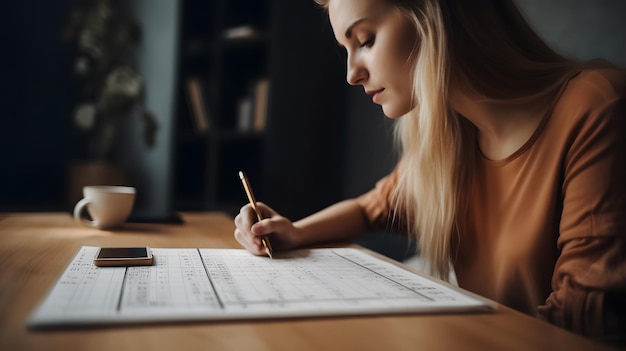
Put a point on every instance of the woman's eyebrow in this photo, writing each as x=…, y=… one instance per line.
x=354, y=24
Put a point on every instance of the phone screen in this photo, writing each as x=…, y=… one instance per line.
x=124, y=256
x=123, y=252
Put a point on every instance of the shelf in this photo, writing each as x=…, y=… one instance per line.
x=223, y=84
x=222, y=135
x=198, y=49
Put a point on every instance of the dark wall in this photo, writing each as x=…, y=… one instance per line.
x=36, y=132
x=581, y=29
x=38, y=139
x=307, y=121
x=327, y=140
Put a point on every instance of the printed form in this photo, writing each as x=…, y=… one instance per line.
x=219, y=284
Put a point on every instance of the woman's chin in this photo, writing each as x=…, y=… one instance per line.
x=393, y=113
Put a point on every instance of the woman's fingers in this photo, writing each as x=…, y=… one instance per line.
x=250, y=243
x=278, y=229
x=244, y=221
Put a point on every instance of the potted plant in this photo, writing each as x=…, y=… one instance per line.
x=104, y=36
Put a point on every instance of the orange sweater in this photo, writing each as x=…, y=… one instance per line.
x=546, y=229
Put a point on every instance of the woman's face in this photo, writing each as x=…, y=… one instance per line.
x=378, y=41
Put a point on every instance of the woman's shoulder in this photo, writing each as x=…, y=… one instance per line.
x=593, y=96
x=600, y=82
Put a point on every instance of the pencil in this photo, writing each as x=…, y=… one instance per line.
x=246, y=186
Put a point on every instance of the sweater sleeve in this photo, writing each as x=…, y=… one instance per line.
x=589, y=279
x=376, y=204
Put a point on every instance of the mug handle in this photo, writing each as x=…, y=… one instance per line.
x=78, y=209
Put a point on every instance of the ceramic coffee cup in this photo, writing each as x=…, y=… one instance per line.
x=108, y=206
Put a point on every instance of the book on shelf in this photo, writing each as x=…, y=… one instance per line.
x=252, y=108
x=244, y=111
x=197, y=103
x=260, y=104
x=241, y=32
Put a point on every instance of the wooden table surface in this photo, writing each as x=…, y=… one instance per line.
x=35, y=249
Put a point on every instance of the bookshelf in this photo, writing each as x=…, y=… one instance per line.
x=222, y=102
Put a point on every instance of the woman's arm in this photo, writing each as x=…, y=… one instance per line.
x=340, y=222
x=589, y=280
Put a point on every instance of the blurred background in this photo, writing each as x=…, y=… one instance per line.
x=174, y=97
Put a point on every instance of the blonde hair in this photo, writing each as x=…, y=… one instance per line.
x=488, y=50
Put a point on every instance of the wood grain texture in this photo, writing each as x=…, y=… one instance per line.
x=35, y=248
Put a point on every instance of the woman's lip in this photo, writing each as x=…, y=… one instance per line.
x=374, y=93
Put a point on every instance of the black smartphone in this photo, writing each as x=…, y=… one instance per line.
x=123, y=256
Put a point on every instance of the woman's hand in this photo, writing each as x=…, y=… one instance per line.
x=281, y=233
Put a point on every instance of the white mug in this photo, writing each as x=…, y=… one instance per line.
x=108, y=206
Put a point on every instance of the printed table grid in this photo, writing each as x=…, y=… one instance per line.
x=213, y=284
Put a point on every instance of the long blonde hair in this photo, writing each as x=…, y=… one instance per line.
x=487, y=49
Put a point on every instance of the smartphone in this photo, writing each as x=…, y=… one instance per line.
x=123, y=256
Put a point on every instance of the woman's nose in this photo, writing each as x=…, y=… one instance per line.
x=356, y=72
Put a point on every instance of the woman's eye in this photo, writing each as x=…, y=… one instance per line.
x=368, y=43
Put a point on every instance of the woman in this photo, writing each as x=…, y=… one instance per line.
x=513, y=158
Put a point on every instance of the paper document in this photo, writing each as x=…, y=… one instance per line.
x=218, y=284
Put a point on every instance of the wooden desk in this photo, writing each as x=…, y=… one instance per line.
x=35, y=248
